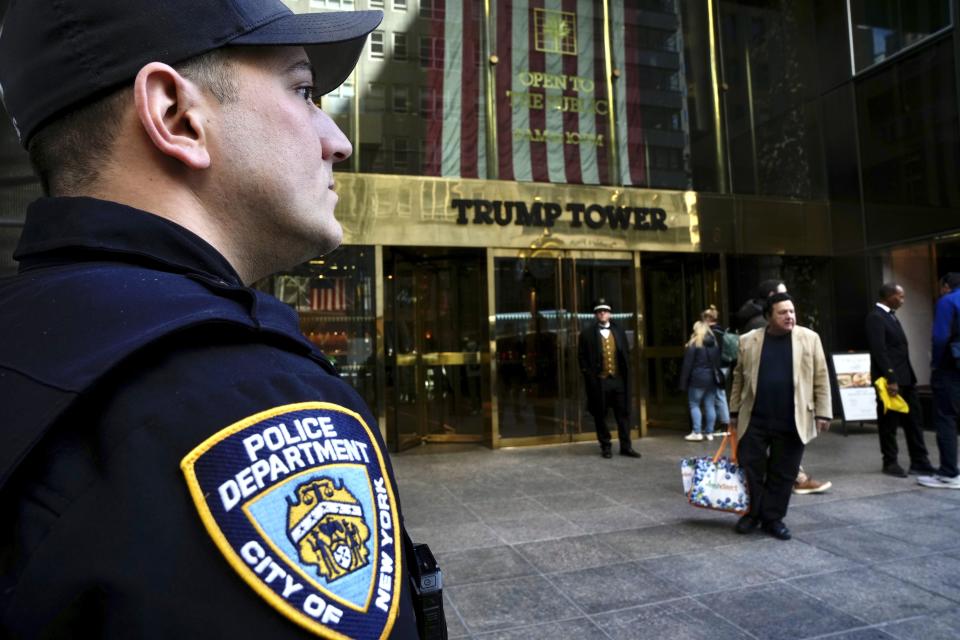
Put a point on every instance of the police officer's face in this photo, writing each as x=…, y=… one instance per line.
x=276, y=152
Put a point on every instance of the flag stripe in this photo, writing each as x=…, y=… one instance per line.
x=600, y=80
x=635, y=145
x=538, y=117
x=452, y=96
x=586, y=120
x=556, y=161
x=521, y=114
x=571, y=119
x=504, y=75
x=469, y=116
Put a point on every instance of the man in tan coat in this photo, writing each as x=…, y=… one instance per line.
x=781, y=396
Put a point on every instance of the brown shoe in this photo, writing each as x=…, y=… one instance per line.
x=805, y=484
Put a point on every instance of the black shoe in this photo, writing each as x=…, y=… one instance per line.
x=746, y=524
x=630, y=453
x=606, y=453
x=894, y=470
x=923, y=469
x=777, y=529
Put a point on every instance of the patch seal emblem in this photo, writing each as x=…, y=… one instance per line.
x=299, y=501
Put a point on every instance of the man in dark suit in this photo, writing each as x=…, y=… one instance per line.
x=605, y=364
x=890, y=358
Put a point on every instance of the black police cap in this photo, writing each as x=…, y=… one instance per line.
x=57, y=55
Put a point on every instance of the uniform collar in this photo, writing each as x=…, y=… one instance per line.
x=884, y=307
x=61, y=230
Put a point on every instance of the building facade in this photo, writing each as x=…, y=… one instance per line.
x=516, y=159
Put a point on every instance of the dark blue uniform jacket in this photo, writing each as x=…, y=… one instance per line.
x=127, y=342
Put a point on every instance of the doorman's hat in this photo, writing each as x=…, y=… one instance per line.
x=56, y=55
x=601, y=305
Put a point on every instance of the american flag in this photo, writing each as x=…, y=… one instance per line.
x=330, y=296
x=551, y=91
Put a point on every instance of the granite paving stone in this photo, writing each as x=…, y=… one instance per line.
x=937, y=573
x=575, y=501
x=479, y=565
x=778, y=612
x=650, y=542
x=504, y=604
x=619, y=518
x=614, y=587
x=568, y=554
x=536, y=527
x=684, y=619
x=872, y=596
x=858, y=511
x=575, y=629
x=442, y=512
x=788, y=559
x=924, y=534
x=507, y=509
x=871, y=633
x=455, y=537
x=706, y=571
x=865, y=545
x=529, y=550
x=942, y=626
x=455, y=628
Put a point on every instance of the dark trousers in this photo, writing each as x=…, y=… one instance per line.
x=771, y=460
x=613, y=395
x=945, y=384
x=912, y=424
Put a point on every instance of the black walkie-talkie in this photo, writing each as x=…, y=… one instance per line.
x=427, y=582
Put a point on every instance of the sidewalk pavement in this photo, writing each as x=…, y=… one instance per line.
x=555, y=542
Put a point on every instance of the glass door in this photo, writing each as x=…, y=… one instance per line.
x=436, y=346
x=677, y=288
x=529, y=326
x=542, y=302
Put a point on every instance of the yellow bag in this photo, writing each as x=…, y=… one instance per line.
x=896, y=403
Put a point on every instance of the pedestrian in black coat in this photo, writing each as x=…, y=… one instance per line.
x=890, y=359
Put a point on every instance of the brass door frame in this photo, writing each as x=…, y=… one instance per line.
x=421, y=359
x=565, y=289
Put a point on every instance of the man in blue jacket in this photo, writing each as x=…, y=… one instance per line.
x=176, y=460
x=945, y=382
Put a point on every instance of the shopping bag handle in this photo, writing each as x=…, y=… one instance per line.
x=730, y=437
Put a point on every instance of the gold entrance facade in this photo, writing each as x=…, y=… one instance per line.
x=454, y=306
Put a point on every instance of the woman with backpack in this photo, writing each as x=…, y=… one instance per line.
x=729, y=347
x=702, y=378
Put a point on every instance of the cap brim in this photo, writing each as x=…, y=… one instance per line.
x=333, y=40
x=602, y=308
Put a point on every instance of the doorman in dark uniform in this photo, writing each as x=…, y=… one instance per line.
x=604, y=355
x=176, y=460
x=890, y=359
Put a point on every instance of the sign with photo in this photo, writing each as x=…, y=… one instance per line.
x=857, y=395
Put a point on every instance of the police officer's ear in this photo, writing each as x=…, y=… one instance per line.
x=171, y=110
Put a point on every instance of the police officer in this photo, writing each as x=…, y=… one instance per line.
x=175, y=458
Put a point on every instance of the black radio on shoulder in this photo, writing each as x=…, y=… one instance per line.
x=427, y=582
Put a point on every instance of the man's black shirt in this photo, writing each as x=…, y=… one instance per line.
x=773, y=407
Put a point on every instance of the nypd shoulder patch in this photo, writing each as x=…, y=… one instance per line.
x=299, y=501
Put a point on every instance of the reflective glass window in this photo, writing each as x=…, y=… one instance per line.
x=335, y=298
x=881, y=28
x=773, y=127
x=910, y=145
